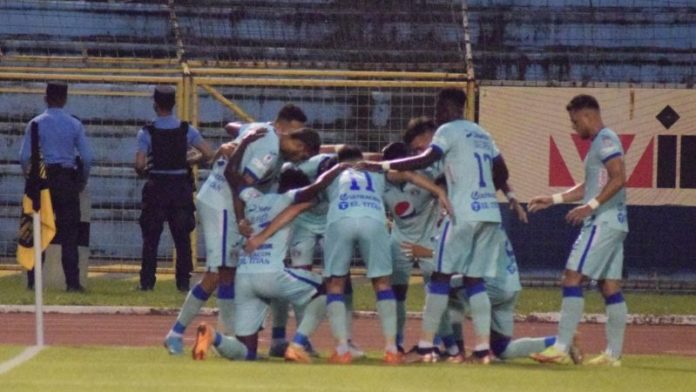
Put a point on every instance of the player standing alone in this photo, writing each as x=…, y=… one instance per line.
x=598, y=250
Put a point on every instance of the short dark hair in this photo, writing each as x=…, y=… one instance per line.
x=56, y=90
x=309, y=137
x=452, y=95
x=394, y=150
x=326, y=164
x=291, y=112
x=582, y=101
x=292, y=178
x=165, y=97
x=416, y=127
x=349, y=153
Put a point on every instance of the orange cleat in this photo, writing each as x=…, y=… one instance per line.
x=295, y=353
x=393, y=358
x=341, y=359
x=204, y=339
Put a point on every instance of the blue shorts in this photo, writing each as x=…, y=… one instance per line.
x=598, y=252
x=468, y=248
x=303, y=246
x=222, y=238
x=372, y=239
x=254, y=291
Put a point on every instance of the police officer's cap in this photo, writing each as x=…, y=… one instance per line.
x=56, y=90
x=165, y=96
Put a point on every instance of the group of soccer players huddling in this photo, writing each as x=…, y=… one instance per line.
x=429, y=200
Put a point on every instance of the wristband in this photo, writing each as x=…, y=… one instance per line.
x=557, y=198
x=594, y=204
x=385, y=165
x=511, y=195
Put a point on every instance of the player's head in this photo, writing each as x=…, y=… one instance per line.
x=349, y=153
x=165, y=98
x=396, y=150
x=449, y=105
x=584, y=115
x=419, y=133
x=300, y=144
x=292, y=178
x=56, y=94
x=289, y=118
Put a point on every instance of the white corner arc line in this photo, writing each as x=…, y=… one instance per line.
x=24, y=356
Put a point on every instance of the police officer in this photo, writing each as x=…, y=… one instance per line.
x=61, y=136
x=168, y=193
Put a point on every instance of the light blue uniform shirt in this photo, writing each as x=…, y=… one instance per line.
x=193, y=138
x=356, y=194
x=260, y=161
x=468, y=152
x=60, y=137
x=414, y=209
x=260, y=210
x=605, y=146
x=314, y=219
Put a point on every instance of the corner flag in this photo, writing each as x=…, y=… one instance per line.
x=36, y=199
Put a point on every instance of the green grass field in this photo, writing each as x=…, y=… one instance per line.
x=118, y=290
x=61, y=369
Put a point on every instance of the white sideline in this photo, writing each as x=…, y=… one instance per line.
x=26, y=355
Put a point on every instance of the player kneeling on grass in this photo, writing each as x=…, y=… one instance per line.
x=262, y=276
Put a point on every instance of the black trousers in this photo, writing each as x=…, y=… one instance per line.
x=167, y=199
x=65, y=186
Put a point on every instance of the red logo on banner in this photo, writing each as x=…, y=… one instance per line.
x=559, y=175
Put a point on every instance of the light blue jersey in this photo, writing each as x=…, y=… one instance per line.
x=314, y=220
x=605, y=146
x=414, y=209
x=260, y=161
x=356, y=194
x=260, y=210
x=468, y=152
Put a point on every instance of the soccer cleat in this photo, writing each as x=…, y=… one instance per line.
x=457, y=358
x=355, y=351
x=552, y=355
x=204, y=339
x=295, y=353
x=277, y=350
x=478, y=360
x=420, y=355
x=393, y=358
x=340, y=359
x=604, y=359
x=575, y=352
x=174, y=345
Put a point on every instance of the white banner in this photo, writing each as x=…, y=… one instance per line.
x=533, y=131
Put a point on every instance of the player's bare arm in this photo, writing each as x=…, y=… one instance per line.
x=616, y=172
x=573, y=194
x=237, y=181
x=309, y=193
x=421, y=161
x=282, y=219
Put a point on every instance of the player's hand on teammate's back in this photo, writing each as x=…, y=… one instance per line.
x=254, y=134
x=519, y=209
x=445, y=204
x=578, y=214
x=539, y=203
x=252, y=243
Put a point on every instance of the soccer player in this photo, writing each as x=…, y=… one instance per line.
x=414, y=210
x=598, y=251
x=259, y=166
x=262, y=276
x=468, y=238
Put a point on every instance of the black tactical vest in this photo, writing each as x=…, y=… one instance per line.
x=168, y=147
